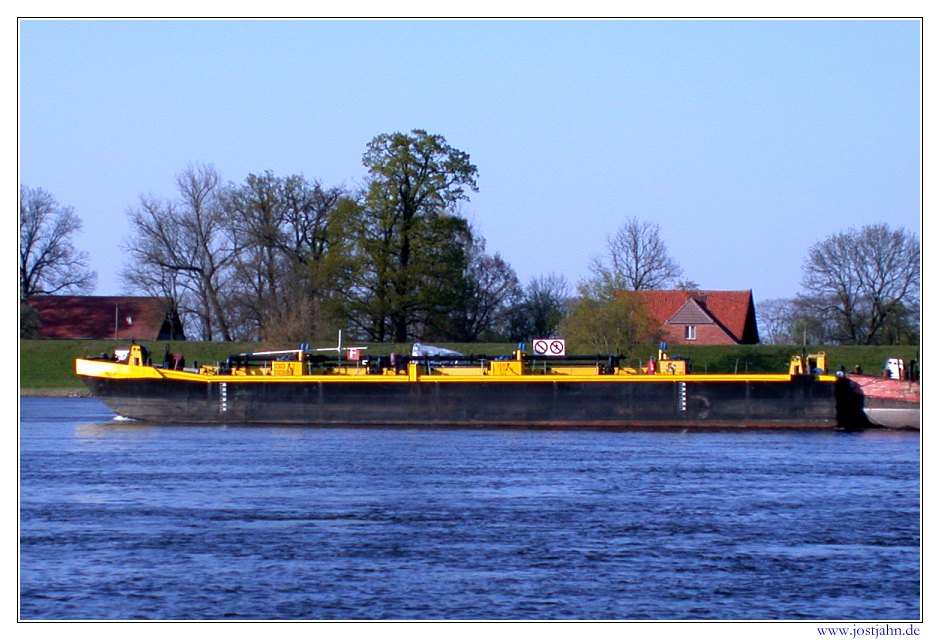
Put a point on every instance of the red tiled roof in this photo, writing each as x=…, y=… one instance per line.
x=732, y=310
x=100, y=317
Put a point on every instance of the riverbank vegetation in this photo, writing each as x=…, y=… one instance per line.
x=287, y=259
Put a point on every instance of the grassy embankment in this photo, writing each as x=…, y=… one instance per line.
x=46, y=366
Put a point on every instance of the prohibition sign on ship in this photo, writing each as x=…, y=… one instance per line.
x=548, y=347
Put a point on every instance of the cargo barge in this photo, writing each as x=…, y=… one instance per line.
x=301, y=387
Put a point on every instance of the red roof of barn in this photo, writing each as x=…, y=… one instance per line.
x=104, y=317
x=732, y=310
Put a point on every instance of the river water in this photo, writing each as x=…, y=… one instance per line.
x=124, y=521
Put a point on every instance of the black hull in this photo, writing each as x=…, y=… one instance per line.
x=797, y=403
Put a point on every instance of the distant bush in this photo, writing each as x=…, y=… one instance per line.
x=29, y=322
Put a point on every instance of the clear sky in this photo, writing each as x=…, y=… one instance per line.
x=746, y=141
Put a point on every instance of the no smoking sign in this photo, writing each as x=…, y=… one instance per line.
x=548, y=347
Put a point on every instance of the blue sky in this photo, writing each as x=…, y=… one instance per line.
x=746, y=141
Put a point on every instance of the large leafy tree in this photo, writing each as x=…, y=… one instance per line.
x=49, y=262
x=863, y=282
x=406, y=220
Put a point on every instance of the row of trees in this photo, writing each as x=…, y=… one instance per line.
x=289, y=259
x=284, y=258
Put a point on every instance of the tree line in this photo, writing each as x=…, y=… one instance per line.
x=288, y=259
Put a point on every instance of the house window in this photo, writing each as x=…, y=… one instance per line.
x=690, y=332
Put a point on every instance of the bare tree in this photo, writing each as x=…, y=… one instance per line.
x=863, y=281
x=49, y=263
x=686, y=285
x=636, y=259
x=776, y=320
x=184, y=249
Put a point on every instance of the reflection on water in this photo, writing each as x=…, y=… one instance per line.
x=106, y=429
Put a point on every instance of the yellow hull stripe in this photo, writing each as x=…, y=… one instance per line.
x=114, y=370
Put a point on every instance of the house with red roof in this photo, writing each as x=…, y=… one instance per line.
x=701, y=317
x=107, y=317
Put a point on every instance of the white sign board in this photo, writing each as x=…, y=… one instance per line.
x=548, y=347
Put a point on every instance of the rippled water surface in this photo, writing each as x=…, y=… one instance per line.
x=124, y=521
